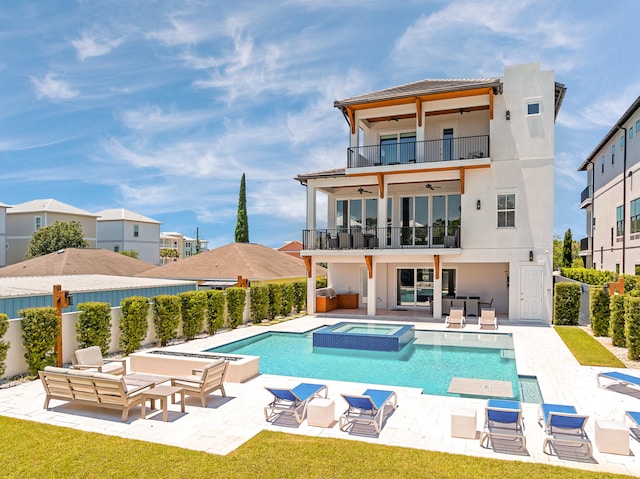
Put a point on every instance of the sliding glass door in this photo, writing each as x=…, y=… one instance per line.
x=414, y=287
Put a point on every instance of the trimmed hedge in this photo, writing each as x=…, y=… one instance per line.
x=566, y=304
x=4, y=345
x=40, y=331
x=632, y=326
x=275, y=299
x=216, y=309
x=133, y=323
x=616, y=321
x=259, y=297
x=589, y=276
x=300, y=295
x=287, y=299
x=599, y=311
x=321, y=282
x=93, y=327
x=166, y=317
x=193, y=308
x=236, y=300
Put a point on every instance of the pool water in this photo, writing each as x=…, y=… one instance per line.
x=429, y=362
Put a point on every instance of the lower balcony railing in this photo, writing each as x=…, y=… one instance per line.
x=382, y=238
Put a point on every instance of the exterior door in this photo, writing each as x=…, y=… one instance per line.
x=531, y=292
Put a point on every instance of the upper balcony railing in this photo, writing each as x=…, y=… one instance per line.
x=586, y=194
x=585, y=244
x=412, y=237
x=430, y=151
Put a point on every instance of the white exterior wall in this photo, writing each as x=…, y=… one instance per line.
x=120, y=233
x=3, y=236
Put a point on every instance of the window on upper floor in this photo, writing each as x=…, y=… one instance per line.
x=116, y=249
x=617, y=268
x=533, y=108
x=630, y=133
x=602, y=165
x=619, y=221
x=613, y=153
x=136, y=231
x=634, y=215
x=398, y=148
x=37, y=223
x=622, y=142
x=638, y=126
x=506, y=210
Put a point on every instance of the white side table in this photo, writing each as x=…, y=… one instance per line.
x=463, y=423
x=321, y=412
x=612, y=437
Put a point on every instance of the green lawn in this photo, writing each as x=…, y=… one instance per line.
x=34, y=450
x=587, y=350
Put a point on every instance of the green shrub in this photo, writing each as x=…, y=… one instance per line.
x=287, y=299
x=300, y=295
x=589, y=276
x=321, y=282
x=616, y=321
x=632, y=326
x=93, y=327
x=193, y=308
x=134, y=322
x=236, y=299
x=166, y=317
x=216, y=308
x=275, y=299
x=566, y=304
x=599, y=311
x=4, y=345
x=259, y=303
x=40, y=331
x=631, y=282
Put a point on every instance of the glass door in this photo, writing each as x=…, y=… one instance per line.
x=415, y=287
x=447, y=144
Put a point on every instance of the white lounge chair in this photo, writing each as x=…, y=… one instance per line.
x=563, y=425
x=503, y=420
x=368, y=408
x=294, y=400
x=456, y=317
x=488, y=319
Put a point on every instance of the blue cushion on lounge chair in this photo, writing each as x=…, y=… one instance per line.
x=548, y=408
x=496, y=413
x=294, y=400
x=635, y=416
x=368, y=408
x=620, y=377
x=564, y=425
x=503, y=420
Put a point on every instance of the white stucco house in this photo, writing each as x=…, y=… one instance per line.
x=446, y=194
x=123, y=230
x=3, y=234
x=613, y=242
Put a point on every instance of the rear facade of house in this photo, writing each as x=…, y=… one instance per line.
x=446, y=195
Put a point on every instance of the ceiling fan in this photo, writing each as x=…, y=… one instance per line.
x=429, y=186
x=362, y=190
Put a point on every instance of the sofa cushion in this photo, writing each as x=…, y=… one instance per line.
x=80, y=372
x=111, y=377
x=54, y=369
x=115, y=367
x=91, y=356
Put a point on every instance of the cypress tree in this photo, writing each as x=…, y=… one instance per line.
x=242, y=225
x=567, y=251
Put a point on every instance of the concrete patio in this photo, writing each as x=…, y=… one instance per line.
x=421, y=421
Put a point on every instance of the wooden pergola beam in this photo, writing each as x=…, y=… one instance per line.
x=436, y=261
x=419, y=111
x=308, y=263
x=369, y=260
x=381, y=184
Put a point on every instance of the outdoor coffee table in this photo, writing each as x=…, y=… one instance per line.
x=162, y=393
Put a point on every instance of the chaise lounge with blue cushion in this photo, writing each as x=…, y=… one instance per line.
x=563, y=425
x=618, y=378
x=294, y=401
x=368, y=408
x=503, y=420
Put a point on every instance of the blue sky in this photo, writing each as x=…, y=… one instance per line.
x=160, y=106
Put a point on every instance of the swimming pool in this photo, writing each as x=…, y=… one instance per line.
x=429, y=362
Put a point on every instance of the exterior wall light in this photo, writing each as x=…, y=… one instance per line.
x=530, y=255
x=508, y=115
x=478, y=205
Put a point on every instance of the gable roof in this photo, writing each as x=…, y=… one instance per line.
x=119, y=214
x=249, y=260
x=72, y=261
x=49, y=205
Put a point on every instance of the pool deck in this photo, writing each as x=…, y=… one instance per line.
x=421, y=421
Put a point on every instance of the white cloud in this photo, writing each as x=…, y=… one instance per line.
x=153, y=119
x=52, y=88
x=88, y=46
x=182, y=32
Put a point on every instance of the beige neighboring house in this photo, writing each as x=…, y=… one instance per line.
x=26, y=218
x=3, y=234
x=183, y=246
x=222, y=266
x=76, y=261
x=123, y=230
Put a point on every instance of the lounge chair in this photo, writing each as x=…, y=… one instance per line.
x=632, y=421
x=91, y=359
x=563, y=425
x=455, y=317
x=210, y=379
x=368, y=408
x=503, y=419
x=293, y=400
x=618, y=378
x=488, y=318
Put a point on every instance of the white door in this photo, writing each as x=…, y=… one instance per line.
x=531, y=292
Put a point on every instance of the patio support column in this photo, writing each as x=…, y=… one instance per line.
x=436, y=304
x=382, y=223
x=311, y=207
x=311, y=289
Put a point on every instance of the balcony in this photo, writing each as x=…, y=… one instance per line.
x=414, y=237
x=430, y=151
x=586, y=197
x=585, y=245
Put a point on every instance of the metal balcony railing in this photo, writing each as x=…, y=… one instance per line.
x=427, y=237
x=464, y=148
x=586, y=194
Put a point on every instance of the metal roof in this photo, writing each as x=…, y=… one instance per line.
x=119, y=214
x=49, y=205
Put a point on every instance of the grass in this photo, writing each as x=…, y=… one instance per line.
x=587, y=350
x=35, y=450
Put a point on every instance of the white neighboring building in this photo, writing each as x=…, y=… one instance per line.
x=122, y=230
x=182, y=246
x=447, y=193
x=24, y=219
x=612, y=242
x=3, y=234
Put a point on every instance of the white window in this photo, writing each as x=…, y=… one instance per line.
x=533, y=108
x=136, y=231
x=116, y=249
x=506, y=211
x=38, y=223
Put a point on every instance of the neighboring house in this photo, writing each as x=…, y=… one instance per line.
x=447, y=192
x=122, y=230
x=3, y=234
x=182, y=246
x=25, y=219
x=292, y=248
x=613, y=241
